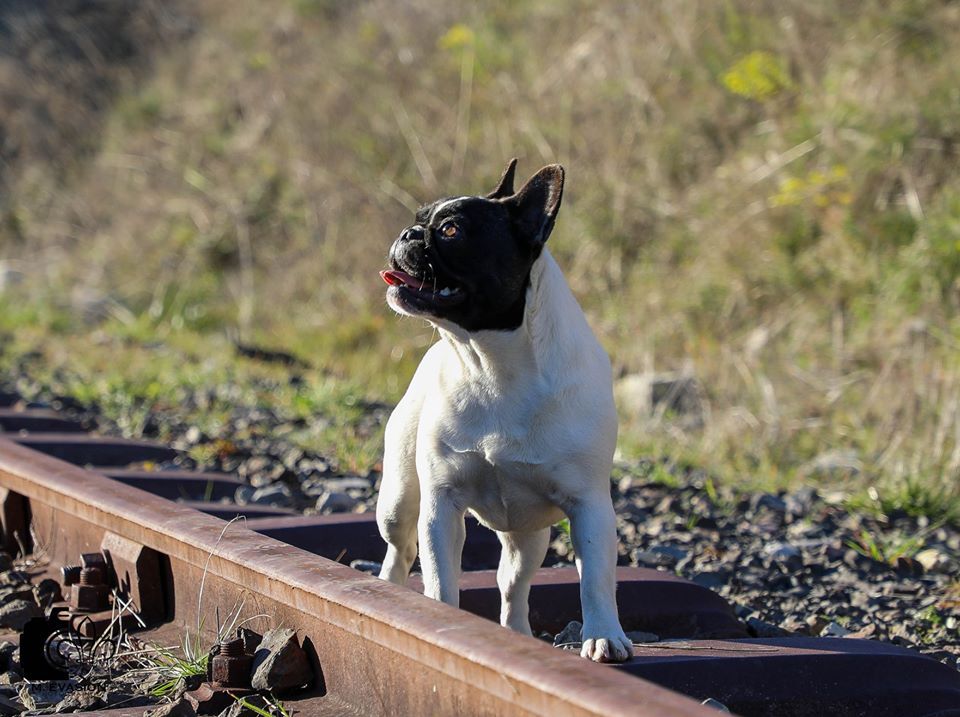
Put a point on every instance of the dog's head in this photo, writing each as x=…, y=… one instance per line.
x=467, y=260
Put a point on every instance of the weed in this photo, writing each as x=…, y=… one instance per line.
x=886, y=548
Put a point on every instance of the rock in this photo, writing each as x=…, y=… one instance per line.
x=712, y=579
x=16, y=613
x=9, y=706
x=79, y=701
x=366, y=566
x=346, y=483
x=243, y=494
x=932, y=559
x=180, y=708
x=640, y=637
x=762, y=628
x=865, y=632
x=785, y=554
x=570, y=635
x=280, y=664
x=35, y=695
x=833, y=465
x=643, y=394
x=660, y=556
x=10, y=677
x=768, y=501
x=9, y=593
x=336, y=502
x=251, y=639
x=835, y=629
x=47, y=591
x=276, y=494
x=716, y=704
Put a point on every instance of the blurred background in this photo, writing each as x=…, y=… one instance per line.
x=761, y=217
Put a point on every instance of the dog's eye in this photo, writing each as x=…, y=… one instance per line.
x=449, y=230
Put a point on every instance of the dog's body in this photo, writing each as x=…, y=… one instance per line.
x=510, y=415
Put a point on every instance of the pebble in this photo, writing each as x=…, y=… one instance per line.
x=280, y=665
x=570, y=635
x=336, y=502
x=16, y=613
x=179, y=708
x=276, y=494
x=366, y=566
x=834, y=629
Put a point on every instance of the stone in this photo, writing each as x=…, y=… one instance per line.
x=16, y=613
x=640, y=637
x=762, y=628
x=10, y=677
x=768, y=501
x=336, y=502
x=833, y=465
x=715, y=704
x=180, y=708
x=644, y=394
x=251, y=639
x=9, y=706
x=785, y=554
x=366, y=566
x=570, y=635
x=79, y=701
x=932, y=559
x=275, y=494
x=280, y=665
x=346, y=483
x=711, y=579
x=835, y=629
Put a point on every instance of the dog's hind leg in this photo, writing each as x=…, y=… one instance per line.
x=398, y=505
x=522, y=554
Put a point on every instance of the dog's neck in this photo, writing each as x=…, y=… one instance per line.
x=543, y=342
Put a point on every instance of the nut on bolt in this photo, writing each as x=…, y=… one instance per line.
x=231, y=668
x=90, y=593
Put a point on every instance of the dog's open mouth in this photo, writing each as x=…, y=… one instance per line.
x=410, y=287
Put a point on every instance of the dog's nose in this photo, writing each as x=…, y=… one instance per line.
x=413, y=233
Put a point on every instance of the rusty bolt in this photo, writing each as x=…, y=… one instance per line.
x=89, y=594
x=93, y=560
x=70, y=575
x=231, y=668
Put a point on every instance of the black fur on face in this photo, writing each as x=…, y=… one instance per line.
x=467, y=260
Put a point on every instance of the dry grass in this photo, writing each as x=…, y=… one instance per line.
x=762, y=193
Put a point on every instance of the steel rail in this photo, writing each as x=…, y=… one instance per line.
x=380, y=648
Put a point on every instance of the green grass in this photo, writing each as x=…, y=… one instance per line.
x=765, y=195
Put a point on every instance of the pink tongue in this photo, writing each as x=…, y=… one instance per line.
x=398, y=278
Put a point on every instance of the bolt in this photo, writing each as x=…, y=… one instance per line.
x=93, y=560
x=70, y=575
x=90, y=594
x=231, y=668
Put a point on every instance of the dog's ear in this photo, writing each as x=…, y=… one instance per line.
x=505, y=185
x=534, y=207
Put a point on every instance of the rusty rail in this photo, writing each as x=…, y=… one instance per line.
x=379, y=648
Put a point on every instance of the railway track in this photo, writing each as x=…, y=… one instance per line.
x=379, y=649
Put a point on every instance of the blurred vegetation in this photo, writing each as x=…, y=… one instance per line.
x=766, y=194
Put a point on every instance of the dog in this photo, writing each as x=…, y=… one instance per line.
x=510, y=415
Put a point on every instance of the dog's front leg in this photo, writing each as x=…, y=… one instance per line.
x=441, y=532
x=593, y=531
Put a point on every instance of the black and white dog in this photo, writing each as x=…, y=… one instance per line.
x=510, y=415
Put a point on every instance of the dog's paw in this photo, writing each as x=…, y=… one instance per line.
x=613, y=647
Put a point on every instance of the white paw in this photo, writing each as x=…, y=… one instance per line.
x=612, y=647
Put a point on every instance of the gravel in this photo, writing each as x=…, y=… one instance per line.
x=792, y=563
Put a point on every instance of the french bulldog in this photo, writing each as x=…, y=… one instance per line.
x=510, y=415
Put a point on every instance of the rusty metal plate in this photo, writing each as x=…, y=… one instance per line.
x=648, y=600
x=803, y=677
x=351, y=536
x=186, y=485
x=36, y=419
x=82, y=449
